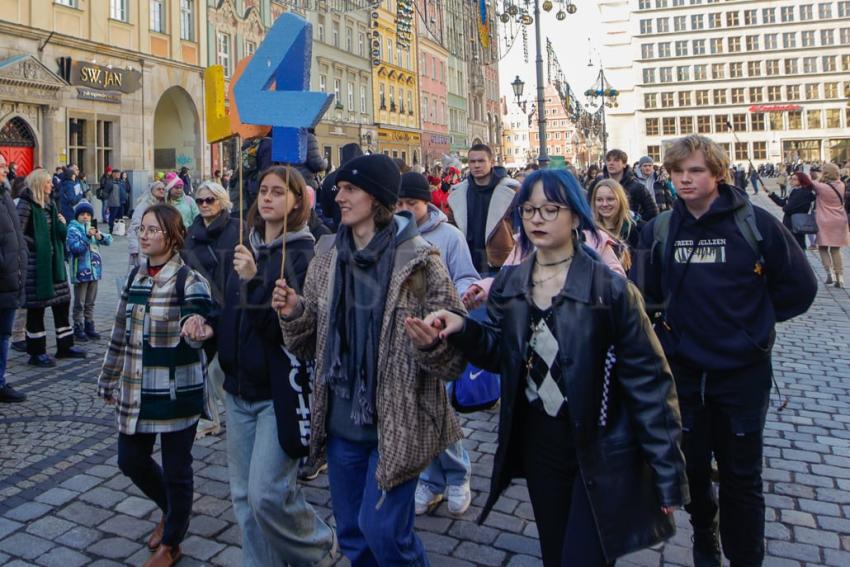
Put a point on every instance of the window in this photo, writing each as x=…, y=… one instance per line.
x=665, y=74
x=187, y=20
x=750, y=17
x=668, y=125
x=699, y=46
x=664, y=49
x=827, y=37
x=703, y=124
x=810, y=64
x=105, y=141
x=732, y=19
x=720, y=122
x=795, y=120
x=754, y=68
x=772, y=67
x=716, y=45
x=756, y=94
x=736, y=70
x=812, y=91
x=696, y=22
x=650, y=100
x=685, y=98
x=789, y=40
x=392, y=99
x=662, y=25
x=424, y=108
x=382, y=96
x=651, y=126
x=740, y=150
x=759, y=150
x=714, y=20
x=813, y=118
x=792, y=92
x=844, y=36
x=825, y=10
x=833, y=118
x=702, y=98
x=806, y=12
x=361, y=44
x=647, y=51
x=644, y=5
x=719, y=96
x=830, y=90
x=683, y=73
x=752, y=43
x=771, y=41
x=222, y=52
x=645, y=26
x=829, y=63
x=363, y=99
x=323, y=84
x=768, y=15
x=718, y=71
x=681, y=48
x=776, y=121
x=700, y=72
x=774, y=93
x=791, y=67
x=335, y=34
x=787, y=13
x=157, y=16
x=666, y=100
x=401, y=99
x=845, y=62
x=844, y=8
x=349, y=39
x=649, y=75
x=757, y=121
x=389, y=52
x=72, y=4
x=338, y=90
x=686, y=125
x=350, y=96
x=807, y=38
x=734, y=44
x=77, y=134
x=118, y=10
x=737, y=95
x=654, y=152
x=410, y=100
x=680, y=23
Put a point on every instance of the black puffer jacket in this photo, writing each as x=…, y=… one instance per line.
x=61, y=290
x=798, y=201
x=209, y=250
x=315, y=162
x=634, y=465
x=13, y=253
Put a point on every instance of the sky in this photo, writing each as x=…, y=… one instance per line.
x=570, y=41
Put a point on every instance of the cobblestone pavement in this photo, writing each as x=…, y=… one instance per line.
x=63, y=501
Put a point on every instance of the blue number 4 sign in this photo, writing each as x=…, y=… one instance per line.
x=283, y=58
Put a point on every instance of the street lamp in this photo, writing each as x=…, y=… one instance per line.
x=603, y=95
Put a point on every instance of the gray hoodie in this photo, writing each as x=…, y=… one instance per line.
x=453, y=248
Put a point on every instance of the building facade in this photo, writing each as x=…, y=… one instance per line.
x=395, y=80
x=457, y=79
x=516, y=144
x=562, y=140
x=433, y=84
x=774, y=73
x=100, y=83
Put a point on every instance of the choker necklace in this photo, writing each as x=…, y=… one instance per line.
x=565, y=260
x=557, y=273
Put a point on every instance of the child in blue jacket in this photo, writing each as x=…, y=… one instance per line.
x=83, y=243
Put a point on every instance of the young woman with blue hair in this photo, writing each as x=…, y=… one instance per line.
x=589, y=415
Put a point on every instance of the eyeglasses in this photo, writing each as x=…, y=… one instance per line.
x=205, y=200
x=150, y=230
x=547, y=212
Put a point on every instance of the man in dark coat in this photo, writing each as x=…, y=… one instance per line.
x=13, y=266
x=641, y=201
x=315, y=162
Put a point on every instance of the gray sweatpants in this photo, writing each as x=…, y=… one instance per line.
x=84, y=295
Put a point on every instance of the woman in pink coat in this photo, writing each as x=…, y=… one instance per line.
x=832, y=223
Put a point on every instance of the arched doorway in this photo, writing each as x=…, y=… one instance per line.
x=17, y=144
x=176, y=136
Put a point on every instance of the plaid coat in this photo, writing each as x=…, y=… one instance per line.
x=160, y=377
x=415, y=420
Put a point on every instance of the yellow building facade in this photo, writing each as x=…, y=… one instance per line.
x=105, y=83
x=395, y=87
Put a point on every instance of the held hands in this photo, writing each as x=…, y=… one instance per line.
x=284, y=299
x=244, y=264
x=474, y=297
x=196, y=329
x=436, y=327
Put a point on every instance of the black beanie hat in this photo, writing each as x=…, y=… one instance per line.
x=376, y=174
x=415, y=186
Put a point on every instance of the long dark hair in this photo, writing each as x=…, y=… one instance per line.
x=294, y=182
x=171, y=222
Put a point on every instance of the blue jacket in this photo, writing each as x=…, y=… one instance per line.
x=84, y=253
x=70, y=193
x=721, y=307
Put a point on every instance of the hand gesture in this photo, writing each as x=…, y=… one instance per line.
x=436, y=326
x=195, y=328
x=474, y=297
x=92, y=231
x=61, y=218
x=284, y=299
x=244, y=264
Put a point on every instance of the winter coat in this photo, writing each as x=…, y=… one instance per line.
x=499, y=236
x=84, y=253
x=799, y=200
x=414, y=418
x=315, y=162
x=641, y=201
x=55, y=239
x=70, y=193
x=160, y=377
x=112, y=193
x=188, y=209
x=634, y=465
x=830, y=215
x=209, y=250
x=13, y=253
x=452, y=246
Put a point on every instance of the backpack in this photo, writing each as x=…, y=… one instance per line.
x=182, y=274
x=475, y=389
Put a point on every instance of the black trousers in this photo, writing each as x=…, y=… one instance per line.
x=37, y=336
x=568, y=536
x=723, y=414
x=171, y=485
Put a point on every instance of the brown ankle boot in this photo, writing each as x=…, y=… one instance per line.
x=165, y=556
x=156, y=537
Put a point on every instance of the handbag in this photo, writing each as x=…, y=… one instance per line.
x=805, y=223
x=476, y=389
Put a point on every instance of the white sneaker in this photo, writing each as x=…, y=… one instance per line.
x=426, y=500
x=459, y=498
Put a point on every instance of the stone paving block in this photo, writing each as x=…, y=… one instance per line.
x=25, y=545
x=645, y=558
x=205, y=526
x=523, y=561
x=518, y=544
x=103, y=497
x=103, y=471
x=114, y=548
x=840, y=525
x=506, y=522
x=443, y=561
x=468, y=531
x=63, y=557
x=127, y=526
x=210, y=506
x=437, y=543
x=836, y=558
x=56, y=496
x=820, y=538
x=29, y=511
x=791, y=550
x=479, y=553
x=798, y=518
x=84, y=514
x=142, y=555
x=79, y=537
x=200, y=548
x=49, y=527
x=214, y=472
x=232, y=535
x=229, y=557
x=136, y=507
x=81, y=482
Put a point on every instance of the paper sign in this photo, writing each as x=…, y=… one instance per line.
x=236, y=126
x=218, y=124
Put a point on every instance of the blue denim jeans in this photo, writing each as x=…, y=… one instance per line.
x=371, y=534
x=7, y=319
x=449, y=468
x=278, y=525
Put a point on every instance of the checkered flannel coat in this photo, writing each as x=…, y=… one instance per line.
x=157, y=377
x=415, y=420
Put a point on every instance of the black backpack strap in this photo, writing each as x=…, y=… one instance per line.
x=130, y=279
x=182, y=274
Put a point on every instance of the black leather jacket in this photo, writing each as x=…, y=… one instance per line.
x=634, y=465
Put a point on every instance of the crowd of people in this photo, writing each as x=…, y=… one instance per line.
x=629, y=312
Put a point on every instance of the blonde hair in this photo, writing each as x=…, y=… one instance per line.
x=830, y=172
x=37, y=180
x=682, y=148
x=218, y=192
x=624, y=215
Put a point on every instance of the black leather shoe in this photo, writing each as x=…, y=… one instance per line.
x=71, y=352
x=9, y=395
x=19, y=346
x=706, y=548
x=41, y=361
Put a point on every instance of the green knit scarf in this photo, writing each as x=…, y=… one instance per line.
x=49, y=251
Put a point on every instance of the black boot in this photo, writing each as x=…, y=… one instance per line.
x=71, y=352
x=79, y=333
x=90, y=332
x=9, y=395
x=706, y=547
